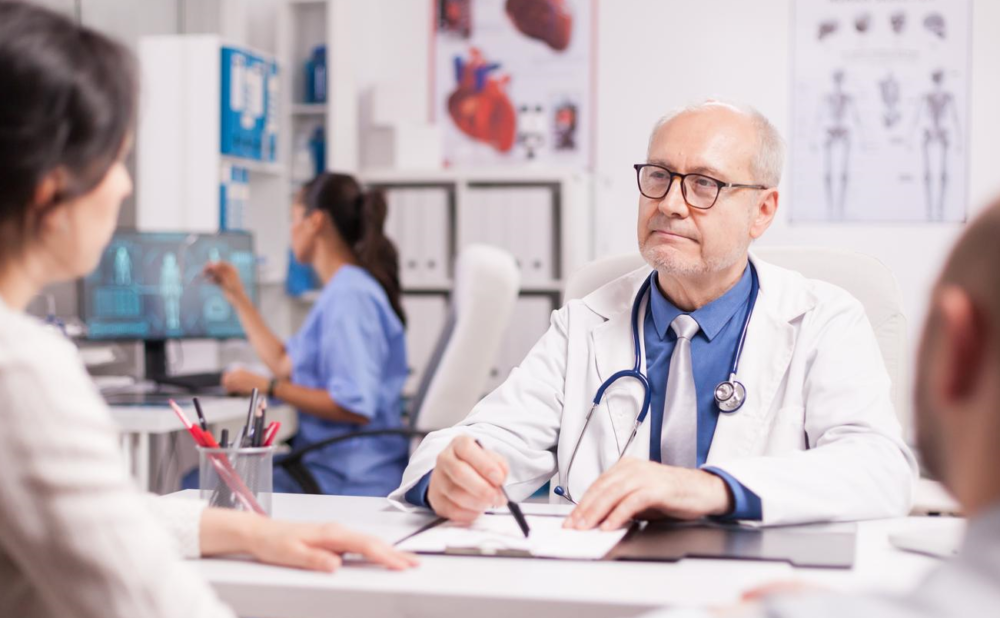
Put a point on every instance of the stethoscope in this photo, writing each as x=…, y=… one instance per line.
x=730, y=395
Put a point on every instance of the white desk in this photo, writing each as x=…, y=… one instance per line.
x=503, y=587
x=138, y=423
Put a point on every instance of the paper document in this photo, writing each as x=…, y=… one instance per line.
x=499, y=535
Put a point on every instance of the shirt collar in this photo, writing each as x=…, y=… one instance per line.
x=711, y=318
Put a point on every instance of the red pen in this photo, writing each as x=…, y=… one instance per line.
x=271, y=433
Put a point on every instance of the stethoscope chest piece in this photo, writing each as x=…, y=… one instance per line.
x=730, y=396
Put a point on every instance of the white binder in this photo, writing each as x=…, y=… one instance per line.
x=435, y=246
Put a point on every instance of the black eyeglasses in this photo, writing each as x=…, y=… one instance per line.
x=699, y=191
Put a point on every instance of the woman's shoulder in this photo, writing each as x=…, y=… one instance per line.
x=354, y=293
x=354, y=282
x=24, y=339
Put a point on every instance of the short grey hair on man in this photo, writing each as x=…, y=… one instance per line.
x=767, y=165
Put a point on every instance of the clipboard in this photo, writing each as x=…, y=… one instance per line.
x=815, y=546
x=496, y=535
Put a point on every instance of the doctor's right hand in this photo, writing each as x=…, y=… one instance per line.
x=466, y=481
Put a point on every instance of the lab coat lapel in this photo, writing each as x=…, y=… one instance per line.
x=614, y=351
x=765, y=360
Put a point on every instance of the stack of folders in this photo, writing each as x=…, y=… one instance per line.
x=418, y=223
x=518, y=219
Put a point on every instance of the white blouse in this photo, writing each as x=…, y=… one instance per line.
x=76, y=536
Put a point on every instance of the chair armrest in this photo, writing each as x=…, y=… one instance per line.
x=296, y=455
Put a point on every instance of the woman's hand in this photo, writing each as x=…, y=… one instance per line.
x=320, y=547
x=242, y=382
x=316, y=547
x=225, y=275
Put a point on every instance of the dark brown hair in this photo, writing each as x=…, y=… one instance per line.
x=67, y=102
x=359, y=217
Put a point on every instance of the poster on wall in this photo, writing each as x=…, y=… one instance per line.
x=513, y=81
x=880, y=110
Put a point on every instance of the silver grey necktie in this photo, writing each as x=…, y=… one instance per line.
x=679, y=437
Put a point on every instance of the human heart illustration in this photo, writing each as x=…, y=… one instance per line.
x=546, y=20
x=480, y=106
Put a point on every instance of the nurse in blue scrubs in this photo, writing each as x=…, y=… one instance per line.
x=344, y=370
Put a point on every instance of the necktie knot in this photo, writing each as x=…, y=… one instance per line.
x=685, y=327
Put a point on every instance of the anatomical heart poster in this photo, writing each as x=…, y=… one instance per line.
x=513, y=81
x=880, y=127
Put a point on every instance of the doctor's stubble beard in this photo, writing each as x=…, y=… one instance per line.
x=669, y=262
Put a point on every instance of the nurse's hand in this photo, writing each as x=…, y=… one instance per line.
x=316, y=547
x=242, y=382
x=466, y=481
x=648, y=489
x=225, y=275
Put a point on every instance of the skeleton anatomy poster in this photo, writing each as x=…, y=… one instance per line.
x=513, y=81
x=880, y=110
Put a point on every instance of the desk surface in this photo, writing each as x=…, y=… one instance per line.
x=158, y=419
x=495, y=587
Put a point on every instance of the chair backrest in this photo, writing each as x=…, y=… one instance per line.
x=864, y=277
x=487, y=283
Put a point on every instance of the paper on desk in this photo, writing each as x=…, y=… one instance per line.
x=497, y=533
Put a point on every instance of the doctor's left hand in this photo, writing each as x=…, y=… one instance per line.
x=242, y=382
x=636, y=487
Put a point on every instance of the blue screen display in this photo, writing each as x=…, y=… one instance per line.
x=149, y=285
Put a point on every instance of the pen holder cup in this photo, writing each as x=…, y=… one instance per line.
x=237, y=478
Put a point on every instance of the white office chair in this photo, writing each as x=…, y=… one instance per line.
x=487, y=282
x=866, y=278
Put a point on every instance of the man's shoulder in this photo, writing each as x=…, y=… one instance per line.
x=614, y=296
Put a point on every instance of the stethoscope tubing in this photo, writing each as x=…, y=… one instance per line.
x=637, y=374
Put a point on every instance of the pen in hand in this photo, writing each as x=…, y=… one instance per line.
x=515, y=509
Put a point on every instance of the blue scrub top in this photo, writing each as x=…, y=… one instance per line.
x=352, y=345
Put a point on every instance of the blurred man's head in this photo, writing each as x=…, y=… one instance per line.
x=958, y=374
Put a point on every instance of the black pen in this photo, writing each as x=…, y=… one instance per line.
x=224, y=439
x=201, y=415
x=250, y=414
x=258, y=429
x=515, y=509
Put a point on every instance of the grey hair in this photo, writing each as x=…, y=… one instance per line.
x=769, y=161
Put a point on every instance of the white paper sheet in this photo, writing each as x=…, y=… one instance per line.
x=498, y=534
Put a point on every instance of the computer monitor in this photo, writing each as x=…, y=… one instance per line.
x=149, y=287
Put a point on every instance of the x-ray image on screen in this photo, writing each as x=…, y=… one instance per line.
x=151, y=286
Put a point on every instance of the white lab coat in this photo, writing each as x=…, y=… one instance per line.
x=817, y=438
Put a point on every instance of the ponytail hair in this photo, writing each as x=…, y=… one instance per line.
x=359, y=217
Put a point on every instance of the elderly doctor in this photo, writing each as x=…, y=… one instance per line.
x=808, y=434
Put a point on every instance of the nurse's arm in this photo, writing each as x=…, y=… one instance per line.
x=269, y=348
x=317, y=402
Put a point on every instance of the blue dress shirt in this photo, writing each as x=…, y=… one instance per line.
x=712, y=348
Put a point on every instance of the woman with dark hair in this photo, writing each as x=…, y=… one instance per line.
x=345, y=368
x=76, y=538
